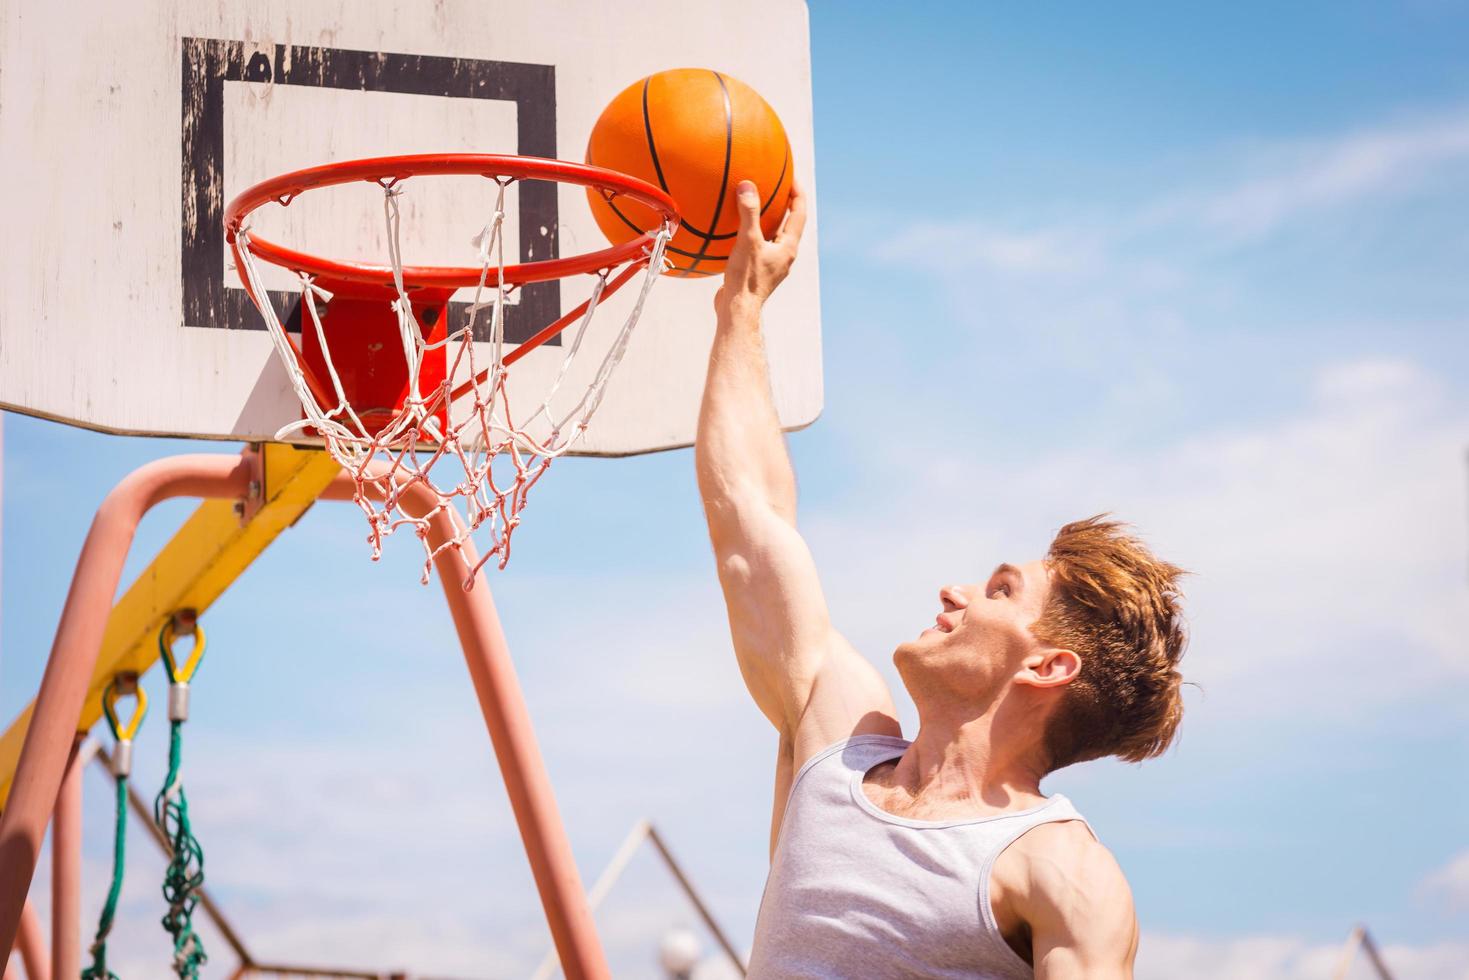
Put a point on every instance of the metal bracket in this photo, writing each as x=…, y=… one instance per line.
x=249, y=505
x=185, y=622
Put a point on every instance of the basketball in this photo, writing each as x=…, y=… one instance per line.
x=696, y=133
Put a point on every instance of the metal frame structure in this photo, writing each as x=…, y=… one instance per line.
x=641, y=831
x=1361, y=939
x=248, y=501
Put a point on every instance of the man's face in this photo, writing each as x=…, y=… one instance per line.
x=981, y=634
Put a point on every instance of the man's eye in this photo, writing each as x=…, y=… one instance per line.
x=1003, y=590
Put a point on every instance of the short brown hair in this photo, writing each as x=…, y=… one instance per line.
x=1119, y=608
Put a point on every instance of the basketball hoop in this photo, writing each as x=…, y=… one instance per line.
x=393, y=392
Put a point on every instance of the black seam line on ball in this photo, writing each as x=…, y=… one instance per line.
x=784, y=166
x=611, y=202
x=693, y=255
x=709, y=236
x=648, y=130
x=700, y=233
x=626, y=220
x=697, y=233
x=663, y=183
x=632, y=225
x=702, y=253
x=696, y=255
x=687, y=270
x=723, y=181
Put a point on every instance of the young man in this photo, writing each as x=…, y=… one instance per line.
x=937, y=857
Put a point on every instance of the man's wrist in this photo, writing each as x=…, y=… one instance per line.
x=743, y=305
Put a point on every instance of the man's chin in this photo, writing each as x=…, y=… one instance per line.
x=910, y=649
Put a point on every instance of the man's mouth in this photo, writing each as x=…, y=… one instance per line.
x=939, y=626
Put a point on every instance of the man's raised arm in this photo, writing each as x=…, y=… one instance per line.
x=803, y=675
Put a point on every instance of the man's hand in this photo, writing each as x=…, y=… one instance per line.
x=756, y=266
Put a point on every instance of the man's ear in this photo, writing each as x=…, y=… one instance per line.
x=1051, y=667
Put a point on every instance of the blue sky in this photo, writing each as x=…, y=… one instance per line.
x=1201, y=268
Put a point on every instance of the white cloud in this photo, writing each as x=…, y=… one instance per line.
x=1327, y=544
x=1167, y=957
x=1329, y=173
x=1263, y=190
x=943, y=246
x=1449, y=884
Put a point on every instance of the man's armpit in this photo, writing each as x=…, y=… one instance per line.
x=785, y=772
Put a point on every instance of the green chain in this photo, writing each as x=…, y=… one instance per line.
x=186, y=871
x=98, y=970
x=121, y=765
x=185, y=874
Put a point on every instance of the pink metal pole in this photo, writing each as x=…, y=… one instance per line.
x=74, y=654
x=32, y=943
x=66, y=870
x=514, y=740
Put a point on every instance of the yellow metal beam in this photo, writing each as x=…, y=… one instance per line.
x=202, y=559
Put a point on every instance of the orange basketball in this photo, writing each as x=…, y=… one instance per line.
x=696, y=133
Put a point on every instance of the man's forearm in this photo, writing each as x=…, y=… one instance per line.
x=740, y=452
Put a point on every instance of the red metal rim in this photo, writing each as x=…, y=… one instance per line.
x=389, y=170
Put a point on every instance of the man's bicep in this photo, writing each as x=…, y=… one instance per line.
x=1081, y=916
x=1088, y=959
x=803, y=674
x=778, y=619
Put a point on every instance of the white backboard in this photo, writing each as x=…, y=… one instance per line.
x=126, y=127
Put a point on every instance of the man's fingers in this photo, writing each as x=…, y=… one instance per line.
x=747, y=199
x=795, y=219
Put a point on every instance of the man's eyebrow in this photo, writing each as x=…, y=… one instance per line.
x=1005, y=568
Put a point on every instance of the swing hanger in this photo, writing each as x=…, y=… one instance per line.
x=121, y=686
x=182, y=623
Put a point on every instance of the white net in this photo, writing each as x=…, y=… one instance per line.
x=460, y=439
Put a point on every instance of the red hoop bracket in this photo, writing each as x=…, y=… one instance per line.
x=387, y=171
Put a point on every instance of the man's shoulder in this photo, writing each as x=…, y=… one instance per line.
x=1061, y=881
x=1064, y=856
x=1064, y=844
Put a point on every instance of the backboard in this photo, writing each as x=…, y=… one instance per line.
x=126, y=128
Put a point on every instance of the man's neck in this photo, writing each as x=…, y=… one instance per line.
x=960, y=768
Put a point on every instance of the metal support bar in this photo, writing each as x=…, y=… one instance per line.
x=32, y=945
x=283, y=969
x=69, y=698
x=95, y=641
x=644, y=830
x=1361, y=939
x=601, y=887
x=66, y=866
x=64, y=685
x=688, y=887
x=531, y=798
x=199, y=562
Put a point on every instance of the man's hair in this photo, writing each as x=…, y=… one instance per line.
x=1118, y=608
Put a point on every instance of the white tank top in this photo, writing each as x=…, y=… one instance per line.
x=855, y=892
